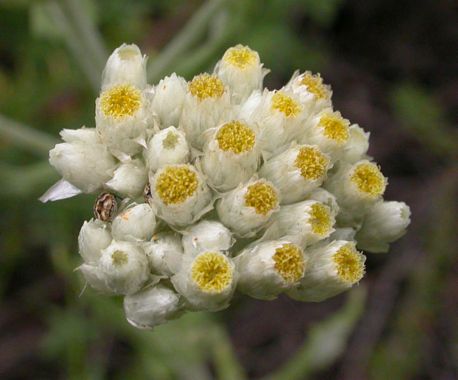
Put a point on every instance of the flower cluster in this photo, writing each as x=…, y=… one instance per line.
x=218, y=184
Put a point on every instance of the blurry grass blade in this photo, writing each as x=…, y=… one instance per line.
x=80, y=52
x=183, y=41
x=326, y=341
x=25, y=137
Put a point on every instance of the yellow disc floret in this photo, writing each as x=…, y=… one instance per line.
x=119, y=258
x=211, y=272
x=320, y=219
x=369, y=179
x=311, y=162
x=176, y=184
x=120, y=101
x=314, y=84
x=335, y=127
x=206, y=86
x=262, y=197
x=285, y=104
x=349, y=264
x=235, y=137
x=240, y=56
x=289, y=262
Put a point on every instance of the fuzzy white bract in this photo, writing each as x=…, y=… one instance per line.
x=217, y=185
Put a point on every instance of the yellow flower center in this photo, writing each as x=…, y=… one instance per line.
x=240, y=57
x=311, y=162
x=285, y=104
x=335, y=127
x=289, y=262
x=120, y=101
x=369, y=179
x=206, y=86
x=262, y=196
x=119, y=258
x=314, y=84
x=349, y=264
x=211, y=272
x=320, y=219
x=170, y=140
x=176, y=183
x=235, y=137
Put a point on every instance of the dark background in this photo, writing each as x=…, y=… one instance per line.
x=393, y=69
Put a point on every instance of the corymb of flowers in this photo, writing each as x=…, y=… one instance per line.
x=217, y=185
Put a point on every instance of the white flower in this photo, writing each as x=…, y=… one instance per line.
x=357, y=145
x=323, y=196
x=82, y=159
x=167, y=147
x=126, y=65
x=152, y=306
x=356, y=188
x=206, y=105
x=123, y=119
x=269, y=268
x=331, y=270
x=241, y=70
x=129, y=179
x=168, y=100
x=297, y=171
x=231, y=155
x=124, y=267
x=384, y=223
x=93, y=237
x=278, y=116
x=180, y=194
x=330, y=131
x=164, y=252
x=313, y=93
x=303, y=223
x=207, y=235
x=206, y=280
x=136, y=222
x=248, y=207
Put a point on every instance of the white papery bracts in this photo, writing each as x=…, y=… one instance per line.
x=244, y=188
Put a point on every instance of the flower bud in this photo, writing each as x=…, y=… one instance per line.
x=152, y=306
x=331, y=269
x=123, y=267
x=136, y=222
x=249, y=207
x=180, y=194
x=129, y=179
x=297, y=171
x=168, y=100
x=167, y=147
x=126, y=65
x=241, y=70
x=269, y=268
x=357, y=145
x=206, y=280
x=304, y=223
x=278, y=116
x=384, y=223
x=164, y=252
x=230, y=156
x=93, y=237
x=207, y=235
x=206, y=105
x=123, y=118
x=313, y=93
x=82, y=160
x=95, y=278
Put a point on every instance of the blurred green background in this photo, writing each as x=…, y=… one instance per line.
x=393, y=68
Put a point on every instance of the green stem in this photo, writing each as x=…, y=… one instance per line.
x=25, y=137
x=189, y=35
x=81, y=54
x=87, y=31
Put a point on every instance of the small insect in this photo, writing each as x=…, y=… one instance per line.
x=147, y=193
x=105, y=207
